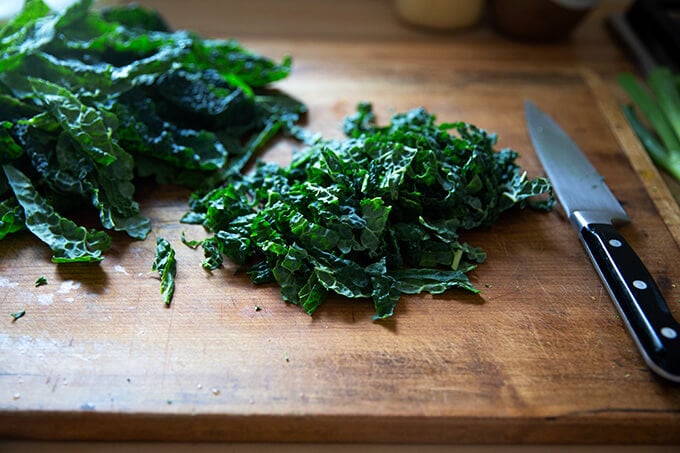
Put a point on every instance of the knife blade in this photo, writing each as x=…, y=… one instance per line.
x=594, y=212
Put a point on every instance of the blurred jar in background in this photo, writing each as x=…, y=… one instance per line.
x=538, y=20
x=440, y=14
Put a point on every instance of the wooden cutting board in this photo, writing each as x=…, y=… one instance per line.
x=539, y=356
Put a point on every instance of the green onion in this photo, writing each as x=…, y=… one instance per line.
x=660, y=107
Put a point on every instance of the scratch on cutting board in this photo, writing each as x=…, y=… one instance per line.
x=167, y=350
x=45, y=299
x=7, y=283
x=542, y=343
x=67, y=286
x=120, y=269
x=543, y=289
x=503, y=246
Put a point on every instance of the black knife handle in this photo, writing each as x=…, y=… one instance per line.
x=637, y=298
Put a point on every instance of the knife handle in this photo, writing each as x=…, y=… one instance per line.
x=637, y=298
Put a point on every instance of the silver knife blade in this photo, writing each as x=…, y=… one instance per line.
x=578, y=185
x=593, y=211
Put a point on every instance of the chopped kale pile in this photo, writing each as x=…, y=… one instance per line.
x=376, y=215
x=91, y=99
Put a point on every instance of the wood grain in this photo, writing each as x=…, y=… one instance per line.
x=540, y=356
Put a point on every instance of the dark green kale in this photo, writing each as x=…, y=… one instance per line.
x=164, y=262
x=11, y=217
x=91, y=99
x=376, y=215
x=68, y=241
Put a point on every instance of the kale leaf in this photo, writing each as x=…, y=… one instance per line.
x=68, y=241
x=91, y=99
x=164, y=262
x=376, y=215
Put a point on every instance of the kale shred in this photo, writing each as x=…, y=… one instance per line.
x=164, y=262
x=91, y=99
x=375, y=215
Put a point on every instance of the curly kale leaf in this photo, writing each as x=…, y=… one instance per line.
x=91, y=99
x=11, y=217
x=86, y=125
x=68, y=241
x=10, y=149
x=376, y=215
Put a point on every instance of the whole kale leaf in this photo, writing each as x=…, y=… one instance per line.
x=90, y=99
x=376, y=215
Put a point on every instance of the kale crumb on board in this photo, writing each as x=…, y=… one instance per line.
x=18, y=315
x=376, y=215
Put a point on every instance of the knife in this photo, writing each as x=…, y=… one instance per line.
x=594, y=211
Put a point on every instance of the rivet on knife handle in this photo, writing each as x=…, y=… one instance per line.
x=637, y=298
